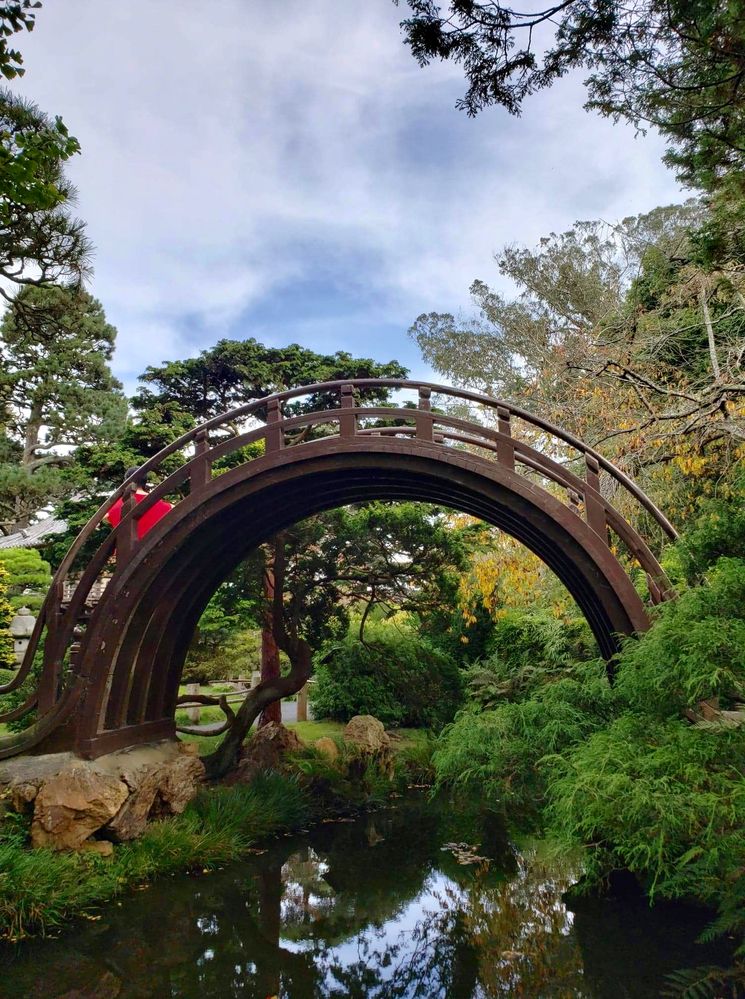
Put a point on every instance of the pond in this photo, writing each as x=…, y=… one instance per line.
x=420, y=900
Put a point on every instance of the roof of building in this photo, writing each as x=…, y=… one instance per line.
x=33, y=535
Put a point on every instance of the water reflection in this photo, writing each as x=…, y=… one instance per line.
x=374, y=908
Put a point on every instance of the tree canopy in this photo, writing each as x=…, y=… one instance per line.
x=57, y=392
x=15, y=16
x=618, y=333
x=676, y=66
x=41, y=241
x=235, y=372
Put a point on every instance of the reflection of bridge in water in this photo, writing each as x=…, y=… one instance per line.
x=105, y=677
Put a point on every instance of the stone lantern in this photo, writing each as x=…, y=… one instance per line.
x=21, y=628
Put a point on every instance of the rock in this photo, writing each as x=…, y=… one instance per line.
x=35, y=769
x=74, y=804
x=266, y=750
x=163, y=789
x=327, y=747
x=22, y=795
x=367, y=734
x=113, y=795
x=103, y=847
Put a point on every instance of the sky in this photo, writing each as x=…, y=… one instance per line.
x=285, y=170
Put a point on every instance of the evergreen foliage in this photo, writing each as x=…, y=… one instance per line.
x=527, y=650
x=57, y=392
x=42, y=243
x=663, y=799
x=497, y=752
x=395, y=675
x=676, y=66
x=719, y=529
x=7, y=659
x=27, y=571
x=694, y=652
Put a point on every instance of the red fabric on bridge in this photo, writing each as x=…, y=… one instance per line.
x=147, y=521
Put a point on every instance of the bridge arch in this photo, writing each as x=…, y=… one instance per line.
x=111, y=672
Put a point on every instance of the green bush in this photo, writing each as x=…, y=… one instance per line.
x=528, y=649
x=694, y=651
x=651, y=792
x=29, y=577
x=719, y=531
x=497, y=753
x=395, y=675
x=7, y=659
x=665, y=800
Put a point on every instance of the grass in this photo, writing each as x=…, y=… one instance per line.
x=312, y=731
x=207, y=715
x=40, y=889
x=309, y=732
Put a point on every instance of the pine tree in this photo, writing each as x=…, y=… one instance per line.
x=57, y=392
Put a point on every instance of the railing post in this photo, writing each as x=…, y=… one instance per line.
x=424, y=419
x=126, y=539
x=274, y=435
x=347, y=420
x=201, y=469
x=574, y=501
x=52, y=670
x=505, y=449
x=594, y=509
x=655, y=592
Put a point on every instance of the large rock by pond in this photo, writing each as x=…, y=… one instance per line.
x=162, y=790
x=74, y=804
x=265, y=750
x=368, y=735
x=369, y=741
x=112, y=798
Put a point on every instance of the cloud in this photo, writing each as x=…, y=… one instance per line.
x=288, y=171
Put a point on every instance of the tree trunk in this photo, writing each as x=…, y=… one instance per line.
x=716, y=370
x=31, y=437
x=226, y=755
x=300, y=654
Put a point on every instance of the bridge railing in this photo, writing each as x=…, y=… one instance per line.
x=509, y=435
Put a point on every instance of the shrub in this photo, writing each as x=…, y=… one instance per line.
x=718, y=531
x=696, y=649
x=665, y=800
x=498, y=752
x=29, y=577
x=7, y=659
x=528, y=649
x=236, y=655
x=396, y=676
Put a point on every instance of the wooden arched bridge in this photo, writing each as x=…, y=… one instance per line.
x=103, y=676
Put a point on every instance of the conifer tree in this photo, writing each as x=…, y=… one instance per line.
x=56, y=391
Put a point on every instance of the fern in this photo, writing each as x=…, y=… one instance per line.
x=706, y=983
